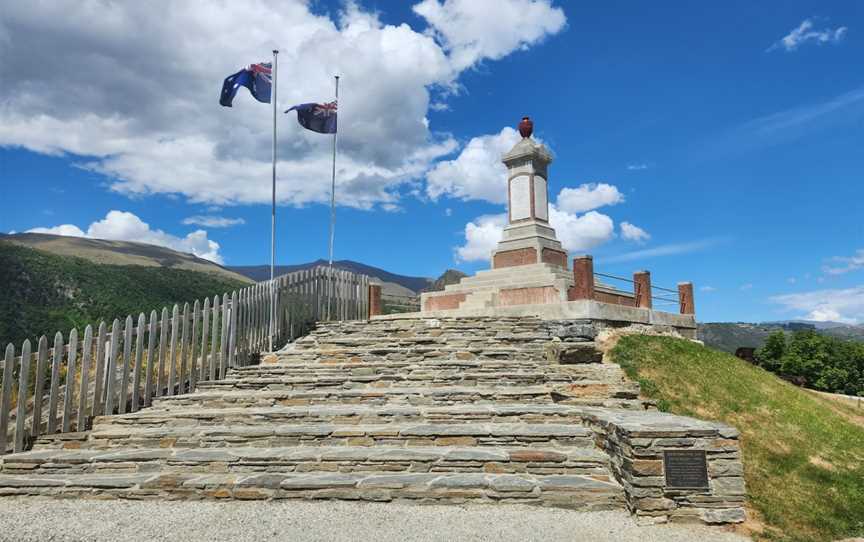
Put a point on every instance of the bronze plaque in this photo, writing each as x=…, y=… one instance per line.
x=685, y=469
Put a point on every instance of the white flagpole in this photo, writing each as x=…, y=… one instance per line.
x=333, y=202
x=273, y=211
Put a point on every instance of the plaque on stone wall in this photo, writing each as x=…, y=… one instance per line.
x=685, y=469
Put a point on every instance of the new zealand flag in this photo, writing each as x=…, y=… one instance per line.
x=319, y=118
x=257, y=78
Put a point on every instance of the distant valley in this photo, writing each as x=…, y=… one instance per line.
x=54, y=283
x=729, y=336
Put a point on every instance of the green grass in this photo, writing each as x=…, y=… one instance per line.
x=803, y=457
x=44, y=293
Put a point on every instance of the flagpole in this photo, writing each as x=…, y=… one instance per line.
x=273, y=210
x=333, y=200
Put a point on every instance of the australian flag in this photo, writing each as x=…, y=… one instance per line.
x=319, y=118
x=257, y=78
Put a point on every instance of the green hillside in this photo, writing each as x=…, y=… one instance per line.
x=803, y=454
x=44, y=293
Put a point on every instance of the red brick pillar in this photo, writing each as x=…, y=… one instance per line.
x=374, y=300
x=583, y=275
x=642, y=289
x=685, y=298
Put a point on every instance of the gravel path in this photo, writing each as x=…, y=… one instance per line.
x=43, y=520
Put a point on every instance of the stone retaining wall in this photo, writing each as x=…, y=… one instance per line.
x=636, y=442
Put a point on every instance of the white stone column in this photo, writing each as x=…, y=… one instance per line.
x=528, y=239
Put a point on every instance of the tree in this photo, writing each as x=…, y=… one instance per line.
x=772, y=352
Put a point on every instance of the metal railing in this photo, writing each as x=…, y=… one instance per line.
x=662, y=299
x=124, y=368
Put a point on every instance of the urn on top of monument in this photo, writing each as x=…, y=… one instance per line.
x=526, y=127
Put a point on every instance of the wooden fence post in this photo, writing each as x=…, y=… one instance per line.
x=99, y=381
x=39, y=385
x=152, y=354
x=139, y=357
x=193, y=347
x=214, y=340
x=172, y=355
x=223, y=345
x=232, y=338
x=23, y=376
x=55, y=382
x=6, y=397
x=111, y=375
x=205, y=329
x=184, y=350
x=163, y=353
x=127, y=361
x=86, y=356
x=70, y=381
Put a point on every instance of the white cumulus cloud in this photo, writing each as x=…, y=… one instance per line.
x=132, y=88
x=125, y=226
x=805, y=32
x=634, y=233
x=68, y=230
x=835, y=305
x=477, y=173
x=481, y=237
x=472, y=30
x=588, y=196
x=211, y=221
x=577, y=233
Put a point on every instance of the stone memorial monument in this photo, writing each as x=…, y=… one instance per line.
x=528, y=238
x=529, y=265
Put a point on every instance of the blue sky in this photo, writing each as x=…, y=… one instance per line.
x=718, y=143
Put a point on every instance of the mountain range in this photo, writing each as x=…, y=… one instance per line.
x=392, y=284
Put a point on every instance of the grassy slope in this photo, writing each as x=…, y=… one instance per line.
x=803, y=457
x=43, y=293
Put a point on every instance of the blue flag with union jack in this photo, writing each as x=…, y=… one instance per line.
x=257, y=78
x=319, y=118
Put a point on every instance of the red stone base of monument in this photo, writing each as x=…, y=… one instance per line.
x=520, y=283
x=528, y=256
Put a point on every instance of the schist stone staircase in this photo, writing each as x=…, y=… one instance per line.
x=423, y=410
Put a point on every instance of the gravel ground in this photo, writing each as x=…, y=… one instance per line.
x=46, y=520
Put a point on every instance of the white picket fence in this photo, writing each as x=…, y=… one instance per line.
x=121, y=368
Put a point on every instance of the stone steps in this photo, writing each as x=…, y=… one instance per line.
x=501, y=381
x=493, y=285
x=567, y=491
x=345, y=459
x=403, y=370
x=277, y=392
x=261, y=394
x=422, y=349
x=182, y=435
x=438, y=410
x=277, y=414
x=421, y=353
